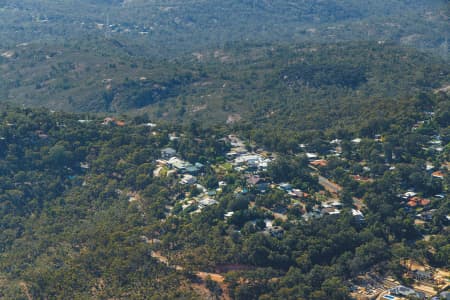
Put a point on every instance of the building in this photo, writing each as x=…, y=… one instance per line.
x=416, y=201
x=276, y=231
x=438, y=174
x=406, y=292
x=206, y=202
x=312, y=156
x=253, y=180
x=423, y=275
x=188, y=179
x=113, y=121
x=445, y=295
x=312, y=215
x=178, y=164
x=358, y=215
x=287, y=187
x=228, y=215
x=319, y=163
x=168, y=153
x=193, y=170
x=296, y=193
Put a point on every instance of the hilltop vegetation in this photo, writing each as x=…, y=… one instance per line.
x=306, y=86
x=176, y=27
x=90, y=75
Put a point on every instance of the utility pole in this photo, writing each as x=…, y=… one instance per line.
x=107, y=29
x=445, y=48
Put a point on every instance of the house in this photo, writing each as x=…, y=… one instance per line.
x=285, y=186
x=162, y=162
x=416, y=201
x=178, y=164
x=279, y=209
x=330, y=211
x=188, y=179
x=447, y=218
x=336, y=142
x=417, y=125
x=113, y=121
x=445, y=295
x=446, y=165
x=438, y=174
x=435, y=141
x=206, y=202
x=41, y=134
x=168, y=152
x=358, y=215
x=253, y=180
x=408, y=195
x=361, y=178
x=336, y=204
x=276, y=231
x=268, y=223
x=240, y=150
x=319, y=163
x=296, y=193
x=312, y=156
x=201, y=188
x=193, y=170
x=231, y=155
x=423, y=275
x=406, y=292
x=248, y=159
x=426, y=215
x=312, y=215
x=173, y=137
x=262, y=187
x=199, y=166
x=235, y=141
x=228, y=215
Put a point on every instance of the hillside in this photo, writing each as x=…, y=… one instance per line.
x=95, y=208
x=224, y=149
x=87, y=75
x=279, y=86
x=174, y=27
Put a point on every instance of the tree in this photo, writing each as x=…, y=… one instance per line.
x=213, y=287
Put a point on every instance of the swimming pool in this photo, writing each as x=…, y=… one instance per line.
x=390, y=297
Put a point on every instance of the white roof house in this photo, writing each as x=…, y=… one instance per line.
x=188, y=179
x=207, y=202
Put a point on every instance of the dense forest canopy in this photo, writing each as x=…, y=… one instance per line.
x=272, y=84
x=174, y=27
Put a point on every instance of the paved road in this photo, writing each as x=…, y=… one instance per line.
x=329, y=186
x=335, y=189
